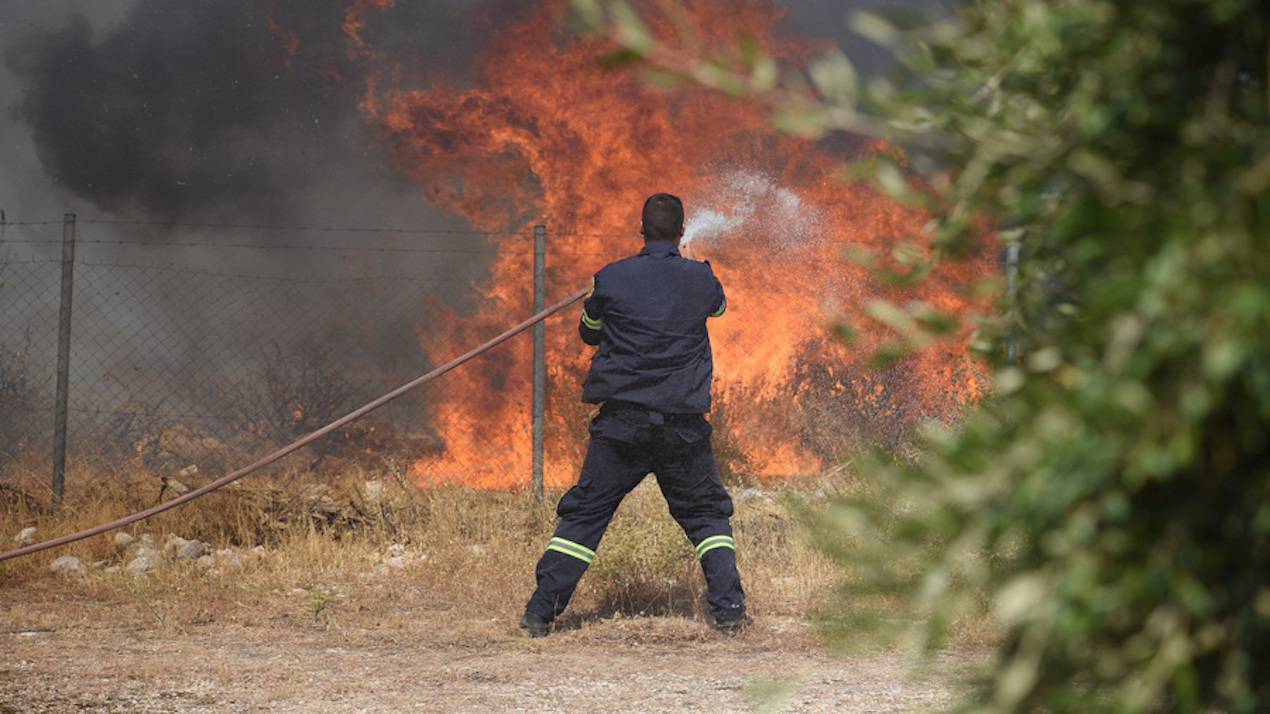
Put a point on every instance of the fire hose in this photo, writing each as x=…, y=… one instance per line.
x=302, y=441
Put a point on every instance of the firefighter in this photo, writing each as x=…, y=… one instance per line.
x=651, y=377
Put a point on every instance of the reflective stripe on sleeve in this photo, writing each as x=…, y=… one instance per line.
x=715, y=541
x=568, y=547
x=723, y=307
x=591, y=322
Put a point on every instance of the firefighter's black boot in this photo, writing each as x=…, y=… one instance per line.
x=534, y=625
x=731, y=628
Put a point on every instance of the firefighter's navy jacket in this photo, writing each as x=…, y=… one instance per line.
x=648, y=315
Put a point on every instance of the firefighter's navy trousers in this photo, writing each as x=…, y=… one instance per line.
x=626, y=445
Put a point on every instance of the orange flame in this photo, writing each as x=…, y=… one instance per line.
x=546, y=135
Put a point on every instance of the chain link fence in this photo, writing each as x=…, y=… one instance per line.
x=194, y=348
x=29, y=280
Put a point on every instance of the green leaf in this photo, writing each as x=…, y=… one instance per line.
x=590, y=12
x=873, y=26
x=618, y=59
x=631, y=32
x=835, y=78
x=805, y=121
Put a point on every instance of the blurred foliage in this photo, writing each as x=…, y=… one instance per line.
x=1109, y=504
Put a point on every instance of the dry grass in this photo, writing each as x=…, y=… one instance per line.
x=330, y=535
x=356, y=590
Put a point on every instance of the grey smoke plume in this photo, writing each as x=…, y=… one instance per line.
x=211, y=107
x=249, y=107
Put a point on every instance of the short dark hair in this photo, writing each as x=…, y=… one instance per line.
x=663, y=217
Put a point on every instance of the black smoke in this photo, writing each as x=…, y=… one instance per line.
x=249, y=107
x=234, y=106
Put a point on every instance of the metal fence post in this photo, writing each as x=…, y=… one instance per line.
x=540, y=358
x=63, y=356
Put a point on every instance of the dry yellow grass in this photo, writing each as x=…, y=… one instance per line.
x=357, y=590
x=323, y=534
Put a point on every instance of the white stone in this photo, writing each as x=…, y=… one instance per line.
x=396, y=550
x=476, y=549
x=69, y=565
x=396, y=563
x=25, y=537
x=143, y=563
x=206, y=562
x=123, y=540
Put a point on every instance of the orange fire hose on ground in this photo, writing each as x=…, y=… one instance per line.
x=302, y=441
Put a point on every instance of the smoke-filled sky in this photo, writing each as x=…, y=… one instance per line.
x=204, y=110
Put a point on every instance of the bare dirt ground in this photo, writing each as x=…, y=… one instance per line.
x=78, y=654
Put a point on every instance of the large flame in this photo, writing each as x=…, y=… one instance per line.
x=545, y=134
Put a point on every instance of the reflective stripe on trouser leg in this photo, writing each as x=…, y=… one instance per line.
x=713, y=542
x=557, y=576
x=568, y=547
x=609, y=471
x=717, y=554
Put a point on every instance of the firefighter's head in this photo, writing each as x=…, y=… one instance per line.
x=663, y=217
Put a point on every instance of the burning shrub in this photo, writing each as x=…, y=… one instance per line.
x=769, y=211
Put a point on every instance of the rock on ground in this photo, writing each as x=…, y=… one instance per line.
x=143, y=563
x=187, y=549
x=123, y=540
x=25, y=537
x=193, y=549
x=69, y=565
